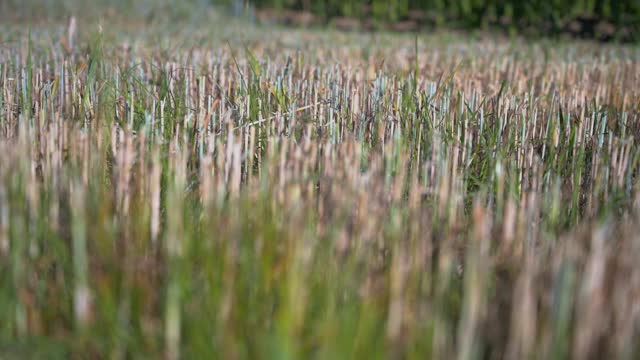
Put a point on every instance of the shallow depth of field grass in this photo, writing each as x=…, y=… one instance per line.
x=216, y=190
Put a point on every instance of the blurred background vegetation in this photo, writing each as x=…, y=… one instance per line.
x=470, y=12
x=602, y=19
x=586, y=18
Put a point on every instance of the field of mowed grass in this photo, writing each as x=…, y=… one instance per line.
x=213, y=189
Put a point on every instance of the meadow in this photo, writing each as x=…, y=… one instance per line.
x=216, y=189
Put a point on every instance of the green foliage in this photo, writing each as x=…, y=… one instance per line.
x=537, y=15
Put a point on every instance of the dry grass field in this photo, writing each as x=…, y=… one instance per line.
x=221, y=190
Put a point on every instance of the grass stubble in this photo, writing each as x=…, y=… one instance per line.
x=261, y=193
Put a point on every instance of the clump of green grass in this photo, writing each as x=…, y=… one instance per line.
x=295, y=195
